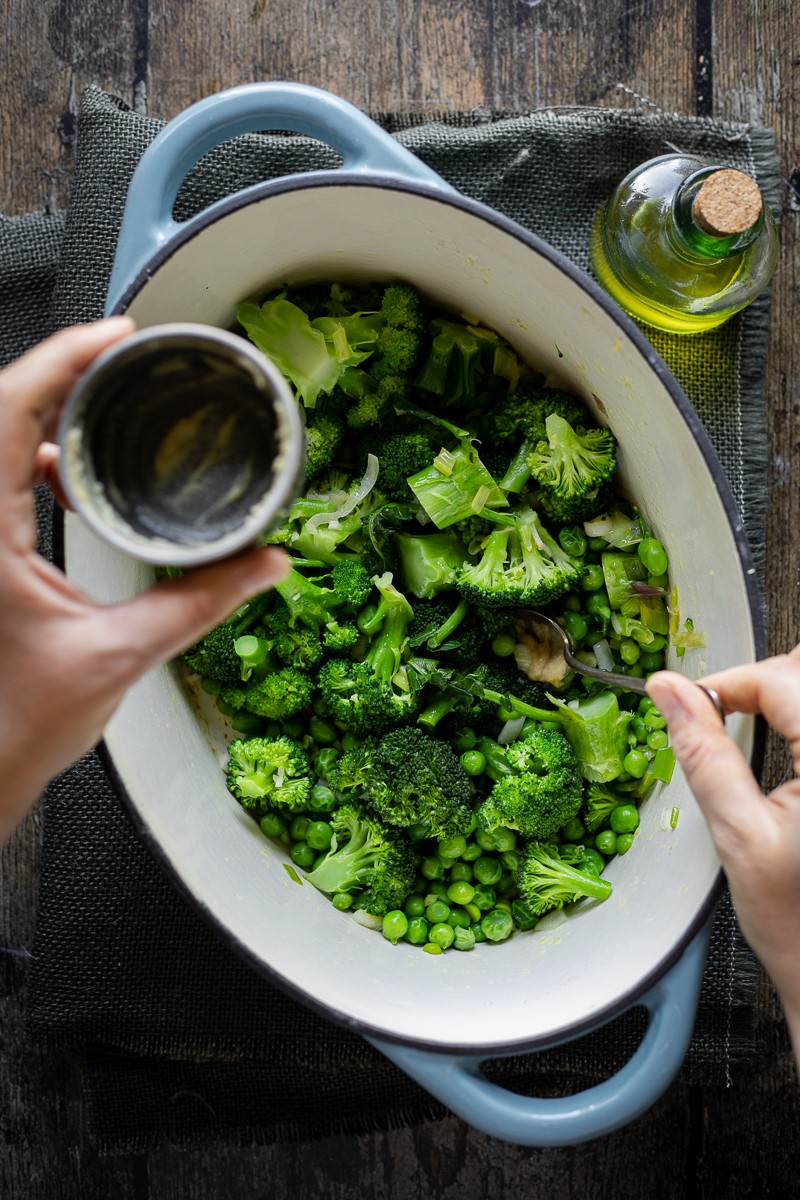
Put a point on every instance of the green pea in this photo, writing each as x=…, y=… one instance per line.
x=431, y=867
x=418, y=832
x=638, y=728
x=485, y=839
x=624, y=818
x=606, y=842
x=573, y=540
x=436, y=888
x=442, y=934
x=597, y=543
x=464, y=939
x=575, y=626
x=635, y=763
x=487, y=870
x=624, y=842
x=342, y=901
x=302, y=855
x=587, y=658
x=350, y=741
x=247, y=723
x=395, y=926
x=507, y=881
x=653, y=556
x=651, y=662
x=503, y=645
x=322, y=731
x=461, y=892
x=592, y=579
x=293, y=727
x=658, y=644
x=571, y=603
x=484, y=898
x=461, y=872
x=325, y=762
x=497, y=925
x=464, y=739
x=437, y=911
x=645, y=704
x=477, y=932
x=592, y=861
x=299, y=828
x=510, y=860
x=574, y=830
x=472, y=852
x=459, y=918
x=629, y=651
x=322, y=798
x=451, y=847
x=272, y=825
x=657, y=740
x=654, y=720
x=414, y=905
x=504, y=839
x=473, y=762
x=418, y=931
x=473, y=911
x=636, y=671
x=432, y=948
x=319, y=835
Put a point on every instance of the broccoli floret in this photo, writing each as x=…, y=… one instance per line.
x=409, y=778
x=430, y=563
x=456, y=486
x=546, y=880
x=400, y=455
x=401, y=306
x=373, y=695
x=522, y=565
x=557, y=511
x=544, y=791
x=301, y=352
x=451, y=366
x=295, y=644
x=523, y=414
x=599, y=803
x=368, y=858
x=214, y=656
x=475, y=695
x=351, y=581
x=598, y=732
x=266, y=772
x=572, y=462
x=276, y=696
x=324, y=435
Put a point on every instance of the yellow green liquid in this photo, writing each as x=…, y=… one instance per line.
x=673, y=282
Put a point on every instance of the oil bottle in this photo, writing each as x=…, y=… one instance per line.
x=683, y=245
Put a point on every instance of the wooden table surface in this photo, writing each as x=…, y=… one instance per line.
x=734, y=59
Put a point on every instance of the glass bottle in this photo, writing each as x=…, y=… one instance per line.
x=683, y=245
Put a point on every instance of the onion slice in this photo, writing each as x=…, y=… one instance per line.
x=511, y=730
x=353, y=498
x=603, y=655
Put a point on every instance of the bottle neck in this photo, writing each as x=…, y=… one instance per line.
x=693, y=237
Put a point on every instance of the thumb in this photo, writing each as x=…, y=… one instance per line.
x=170, y=616
x=716, y=770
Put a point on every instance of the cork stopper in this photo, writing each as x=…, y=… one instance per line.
x=728, y=202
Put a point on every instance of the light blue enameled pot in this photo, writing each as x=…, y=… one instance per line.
x=384, y=215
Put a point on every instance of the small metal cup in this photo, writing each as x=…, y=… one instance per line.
x=181, y=445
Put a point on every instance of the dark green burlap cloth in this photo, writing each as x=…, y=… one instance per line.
x=178, y=1041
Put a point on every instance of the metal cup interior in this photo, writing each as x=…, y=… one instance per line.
x=181, y=444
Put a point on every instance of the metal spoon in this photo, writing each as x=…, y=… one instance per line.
x=547, y=630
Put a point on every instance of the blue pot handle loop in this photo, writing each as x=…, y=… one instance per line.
x=457, y=1081
x=147, y=222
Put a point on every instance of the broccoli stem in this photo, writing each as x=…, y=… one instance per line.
x=518, y=471
x=449, y=626
x=430, y=717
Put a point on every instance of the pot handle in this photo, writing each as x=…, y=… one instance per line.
x=458, y=1082
x=147, y=222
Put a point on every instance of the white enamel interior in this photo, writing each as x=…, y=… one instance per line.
x=535, y=987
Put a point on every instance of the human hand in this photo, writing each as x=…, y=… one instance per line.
x=67, y=660
x=757, y=836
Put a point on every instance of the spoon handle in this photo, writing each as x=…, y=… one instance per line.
x=630, y=682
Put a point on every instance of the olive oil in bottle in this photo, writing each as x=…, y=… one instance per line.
x=683, y=245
